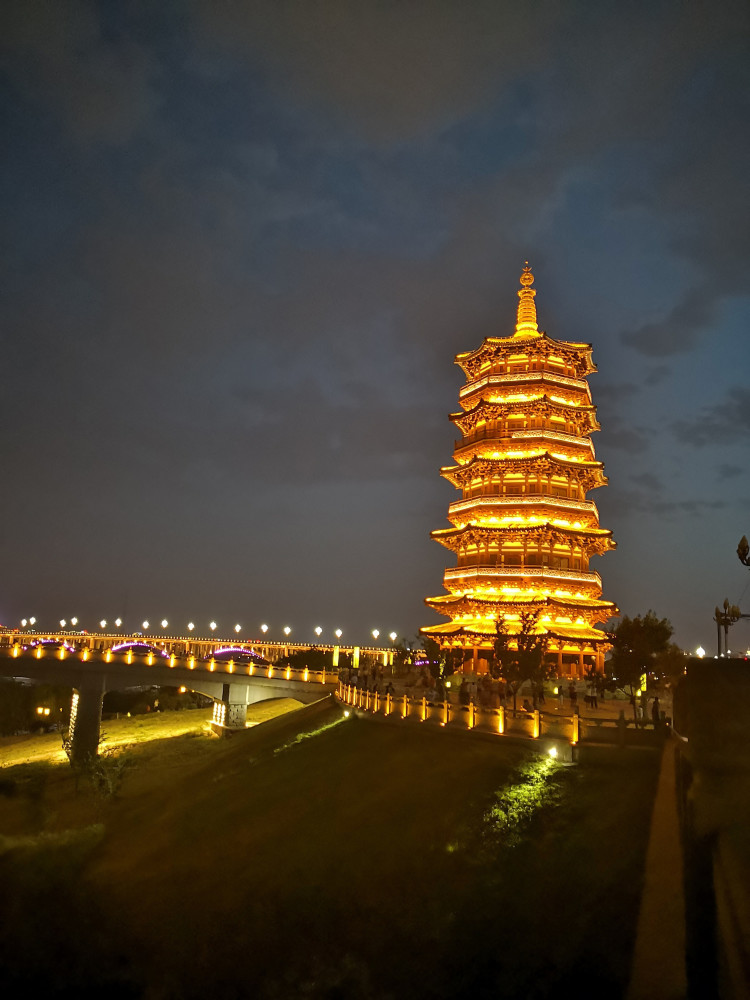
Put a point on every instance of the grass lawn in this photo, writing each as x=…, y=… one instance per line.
x=367, y=860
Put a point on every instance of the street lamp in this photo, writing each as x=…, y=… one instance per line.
x=375, y=633
x=32, y=621
x=145, y=625
x=118, y=622
x=743, y=551
x=287, y=630
x=191, y=625
x=73, y=621
x=724, y=619
x=393, y=636
x=238, y=628
x=24, y=622
x=164, y=623
x=63, y=623
x=103, y=623
x=338, y=633
x=264, y=629
x=318, y=630
x=700, y=652
x=212, y=626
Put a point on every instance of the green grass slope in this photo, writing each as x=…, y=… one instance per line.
x=337, y=858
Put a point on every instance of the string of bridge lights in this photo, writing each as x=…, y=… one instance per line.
x=146, y=625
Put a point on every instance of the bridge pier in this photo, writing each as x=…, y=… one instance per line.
x=230, y=711
x=86, y=719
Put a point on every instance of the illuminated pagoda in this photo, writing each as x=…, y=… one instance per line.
x=523, y=531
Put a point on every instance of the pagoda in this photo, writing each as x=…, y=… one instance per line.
x=523, y=531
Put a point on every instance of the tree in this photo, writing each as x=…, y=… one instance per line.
x=403, y=656
x=636, y=642
x=519, y=656
x=441, y=662
x=671, y=663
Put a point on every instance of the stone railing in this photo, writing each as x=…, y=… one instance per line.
x=552, y=728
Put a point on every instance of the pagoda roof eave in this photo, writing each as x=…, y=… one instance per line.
x=585, y=603
x=442, y=533
x=567, y=462
x=540, y=337
x=563, y=633
x=543, y=397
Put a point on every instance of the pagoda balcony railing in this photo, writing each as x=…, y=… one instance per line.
x=524, y=500
x=526, y=378
x=516, y=573
x=576, y=440
x=542, y=434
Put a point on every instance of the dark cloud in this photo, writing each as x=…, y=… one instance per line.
x=724, y=423
x=728, y=471
x=648, y=481
x=59, y=55
x=243, y=244
x=656, y=375
x=677, y=333
x=624, y=503
x=394, y=71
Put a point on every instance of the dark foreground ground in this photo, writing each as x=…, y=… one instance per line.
x=366, y=860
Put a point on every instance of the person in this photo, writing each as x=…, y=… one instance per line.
x=390, y=689
x=655, y=713
x=593, y=695
x=573, y=695
x=526, y=705
x=560, y=694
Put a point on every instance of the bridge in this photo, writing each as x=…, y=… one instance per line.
x=233, y=684
x=190, y=645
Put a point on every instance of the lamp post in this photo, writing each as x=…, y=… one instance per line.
x=724, y=619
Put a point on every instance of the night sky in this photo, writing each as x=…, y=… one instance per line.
x=243, y=242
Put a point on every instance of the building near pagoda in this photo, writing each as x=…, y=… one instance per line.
x=523, y=530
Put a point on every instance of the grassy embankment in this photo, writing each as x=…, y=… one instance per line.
x=365, y=861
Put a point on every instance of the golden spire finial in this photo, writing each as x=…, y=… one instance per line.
x=526, y=320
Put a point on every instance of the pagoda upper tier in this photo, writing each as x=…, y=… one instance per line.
x=524, y=530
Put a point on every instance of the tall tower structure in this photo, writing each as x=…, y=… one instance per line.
x=523, y=530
